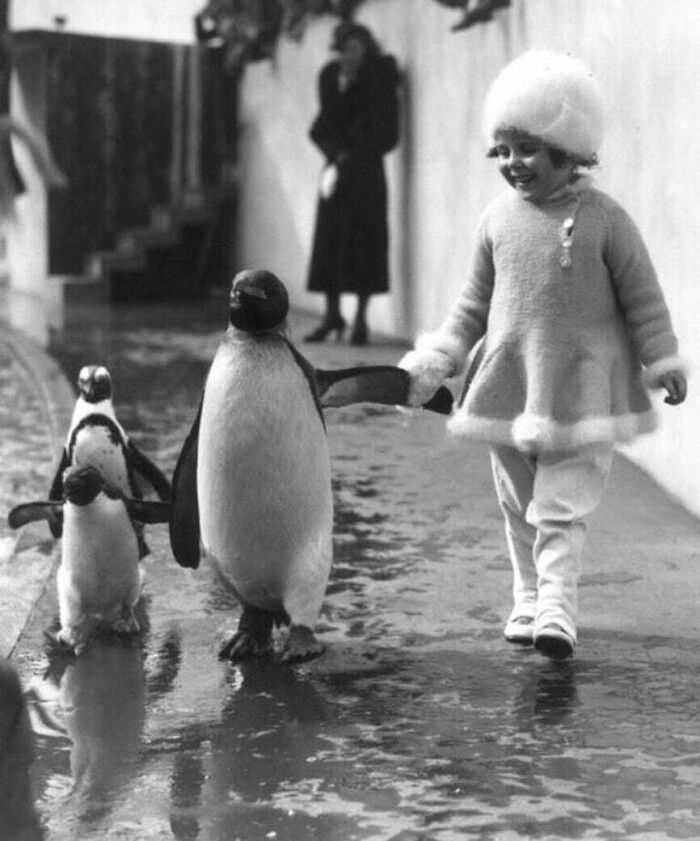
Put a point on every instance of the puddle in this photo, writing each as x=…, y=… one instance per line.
x=419, y=722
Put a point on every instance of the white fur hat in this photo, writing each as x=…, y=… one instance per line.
x=548, y=95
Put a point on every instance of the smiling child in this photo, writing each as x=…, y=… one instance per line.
x=575, y=331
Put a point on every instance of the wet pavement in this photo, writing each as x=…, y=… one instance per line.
x=419, y=723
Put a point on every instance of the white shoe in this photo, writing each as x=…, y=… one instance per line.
x=519, y=629
x=553, y=641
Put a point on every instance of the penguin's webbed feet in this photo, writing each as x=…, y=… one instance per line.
x=301, y=645
x=253, y=637
x=55, y=643
x=245, y=646
x=126, y=623
x=72, y=639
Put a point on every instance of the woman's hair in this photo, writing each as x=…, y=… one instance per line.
x=348, y=30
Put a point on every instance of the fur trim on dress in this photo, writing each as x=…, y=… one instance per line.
x=428, y=369
x=534, y=434
x=450, y=345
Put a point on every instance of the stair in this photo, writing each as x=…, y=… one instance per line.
x=160, y=262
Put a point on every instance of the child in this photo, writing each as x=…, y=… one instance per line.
x=562, y=288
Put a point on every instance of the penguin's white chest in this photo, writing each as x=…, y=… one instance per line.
x=99, y=554
x=95, y=446
x=263, y=478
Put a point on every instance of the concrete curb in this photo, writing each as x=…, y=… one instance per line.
x=25, y=574
x=57, y=394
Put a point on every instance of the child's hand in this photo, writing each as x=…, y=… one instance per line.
x=428, y=370
x=676, y=386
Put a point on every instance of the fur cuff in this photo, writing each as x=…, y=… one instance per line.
x=428, y=370
x=451, y=346
x=664, y=366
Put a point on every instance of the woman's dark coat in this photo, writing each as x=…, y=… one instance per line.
x=354, y=129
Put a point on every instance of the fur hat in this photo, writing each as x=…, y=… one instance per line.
x=551, y=96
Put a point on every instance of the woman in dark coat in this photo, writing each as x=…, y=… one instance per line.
x=357, y=124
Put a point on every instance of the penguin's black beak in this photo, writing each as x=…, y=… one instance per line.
x=81, y=486
x=240, y=292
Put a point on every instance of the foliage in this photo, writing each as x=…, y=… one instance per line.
x=248, y=30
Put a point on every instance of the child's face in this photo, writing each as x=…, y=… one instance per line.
x=526, y=165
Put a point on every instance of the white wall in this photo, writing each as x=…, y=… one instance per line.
x=645, y=54
x=25, y=228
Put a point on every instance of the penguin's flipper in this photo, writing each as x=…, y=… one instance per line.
x=148, y=511
x=142, y=465
x=184, y=509
x=385, y=384
x=32, y=512
x=311, y=377
x=56, y=492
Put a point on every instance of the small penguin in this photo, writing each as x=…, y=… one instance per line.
x=253, y=479
x=96, y=438
x=99, y=580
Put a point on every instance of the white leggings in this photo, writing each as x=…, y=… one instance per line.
x=545, y=498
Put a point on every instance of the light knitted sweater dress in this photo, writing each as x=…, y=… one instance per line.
x=565, y=345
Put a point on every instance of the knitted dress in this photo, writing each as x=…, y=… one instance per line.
x=571, y=307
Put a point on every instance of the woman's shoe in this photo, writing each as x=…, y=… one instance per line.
x=360, y=334
x=519, y=629
x=554, y=642
x=329, y=325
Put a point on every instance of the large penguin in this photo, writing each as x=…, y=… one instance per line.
x=253, y=479
x=99, y=579
x=95, y=437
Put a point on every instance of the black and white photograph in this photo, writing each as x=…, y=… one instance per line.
x=349, y=453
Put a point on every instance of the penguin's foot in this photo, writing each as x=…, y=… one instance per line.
x=56, y=643
x=245, y=646
x=253, y=637
x=126, y=623
x=301, y=645
x=73, y=639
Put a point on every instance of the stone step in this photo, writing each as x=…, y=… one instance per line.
x=78, y=288
x=157, y=262
x=101, y=263
x=135, y=240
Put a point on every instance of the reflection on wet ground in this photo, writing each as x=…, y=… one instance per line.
x=418, y=723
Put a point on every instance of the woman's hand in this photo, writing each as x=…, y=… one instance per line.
x=329, y=179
